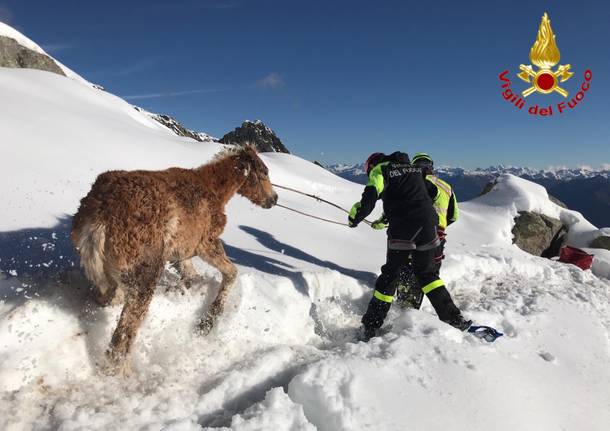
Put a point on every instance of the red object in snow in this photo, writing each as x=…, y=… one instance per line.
x=576, y=256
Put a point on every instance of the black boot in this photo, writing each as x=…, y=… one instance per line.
x=460, y=323
x=446, y=309
x=375, y=313
x=367, y=332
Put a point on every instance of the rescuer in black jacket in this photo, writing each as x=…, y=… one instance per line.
x=411, y=234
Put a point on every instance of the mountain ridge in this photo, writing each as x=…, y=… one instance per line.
x=582, y=189
x=563, y=173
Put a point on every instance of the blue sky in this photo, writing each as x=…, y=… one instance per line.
x=339, y=79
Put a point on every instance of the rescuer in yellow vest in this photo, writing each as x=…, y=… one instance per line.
x=446, y=206
x=412, y=239
x=443, y=197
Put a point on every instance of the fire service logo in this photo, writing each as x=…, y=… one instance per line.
x=544, y=80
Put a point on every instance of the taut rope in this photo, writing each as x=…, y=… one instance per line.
x=319, y=199
x=312, y=216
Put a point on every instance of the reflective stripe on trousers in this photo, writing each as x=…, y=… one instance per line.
x=433, y=285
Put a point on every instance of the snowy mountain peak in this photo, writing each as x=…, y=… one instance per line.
x=257, y=133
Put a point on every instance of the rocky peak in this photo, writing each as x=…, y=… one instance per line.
x=17, y=56
x=258, y=134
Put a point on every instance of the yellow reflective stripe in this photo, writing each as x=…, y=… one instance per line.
x=441, y=202
x=376, y=178
x=431, y=286
x=440, y=183
x=385, y=298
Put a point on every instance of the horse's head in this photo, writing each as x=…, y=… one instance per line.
x=257, y=186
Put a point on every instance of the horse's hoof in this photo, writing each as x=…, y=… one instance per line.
x=116, y=370
x=205, y=326
x=115, y=366
x=193, y=281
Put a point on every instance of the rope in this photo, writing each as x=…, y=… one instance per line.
x=319, y=199
x=310, y=215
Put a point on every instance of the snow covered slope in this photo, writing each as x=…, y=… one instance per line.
x=280, y=356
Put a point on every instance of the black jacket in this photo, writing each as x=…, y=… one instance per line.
x=402, y=189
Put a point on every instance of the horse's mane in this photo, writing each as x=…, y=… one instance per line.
x=232, y=150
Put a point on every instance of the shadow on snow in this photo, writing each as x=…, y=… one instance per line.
x=275, y=267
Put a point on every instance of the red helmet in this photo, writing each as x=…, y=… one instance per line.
x=372, y=161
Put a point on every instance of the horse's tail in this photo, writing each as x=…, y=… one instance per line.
x=90, y=239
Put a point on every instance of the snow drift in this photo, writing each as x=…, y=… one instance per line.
x=280, y=357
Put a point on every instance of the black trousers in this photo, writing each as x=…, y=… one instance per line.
x=426, y=269
x=439, y=255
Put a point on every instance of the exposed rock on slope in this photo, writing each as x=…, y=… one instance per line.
x=537, y=234
x=177, y=127
x=17, y=56
x=488, y=187
x=257, y=133
x=601, y=242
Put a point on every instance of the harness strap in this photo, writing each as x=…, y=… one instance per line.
x=431, y=245
x=405, y=244
x=401, y=244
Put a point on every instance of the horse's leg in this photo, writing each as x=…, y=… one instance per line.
x=214, y=253
x=140, y=283
x=188, y=274
x=115, y=295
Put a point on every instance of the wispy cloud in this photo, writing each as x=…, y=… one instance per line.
x=273, y=81
x=54, y=48
x=6, y=16
x=139, y=66
x=171, y=94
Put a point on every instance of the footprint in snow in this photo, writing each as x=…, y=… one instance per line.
x=547, y=357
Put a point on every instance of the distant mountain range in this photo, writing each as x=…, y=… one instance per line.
x=582, y=189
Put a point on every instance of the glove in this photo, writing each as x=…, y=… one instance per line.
x=351, y=218
x=380, y=223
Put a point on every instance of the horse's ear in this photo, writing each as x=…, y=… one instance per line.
x=244, y=162
x=250, y=151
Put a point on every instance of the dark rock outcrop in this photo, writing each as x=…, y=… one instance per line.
x=537, y=234
x=258, y=134
x=177, y=127
x=490, y=185
x=601, y=242
x=16, y=56
x=557, y=202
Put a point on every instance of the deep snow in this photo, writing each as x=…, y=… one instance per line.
x=280, y=357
